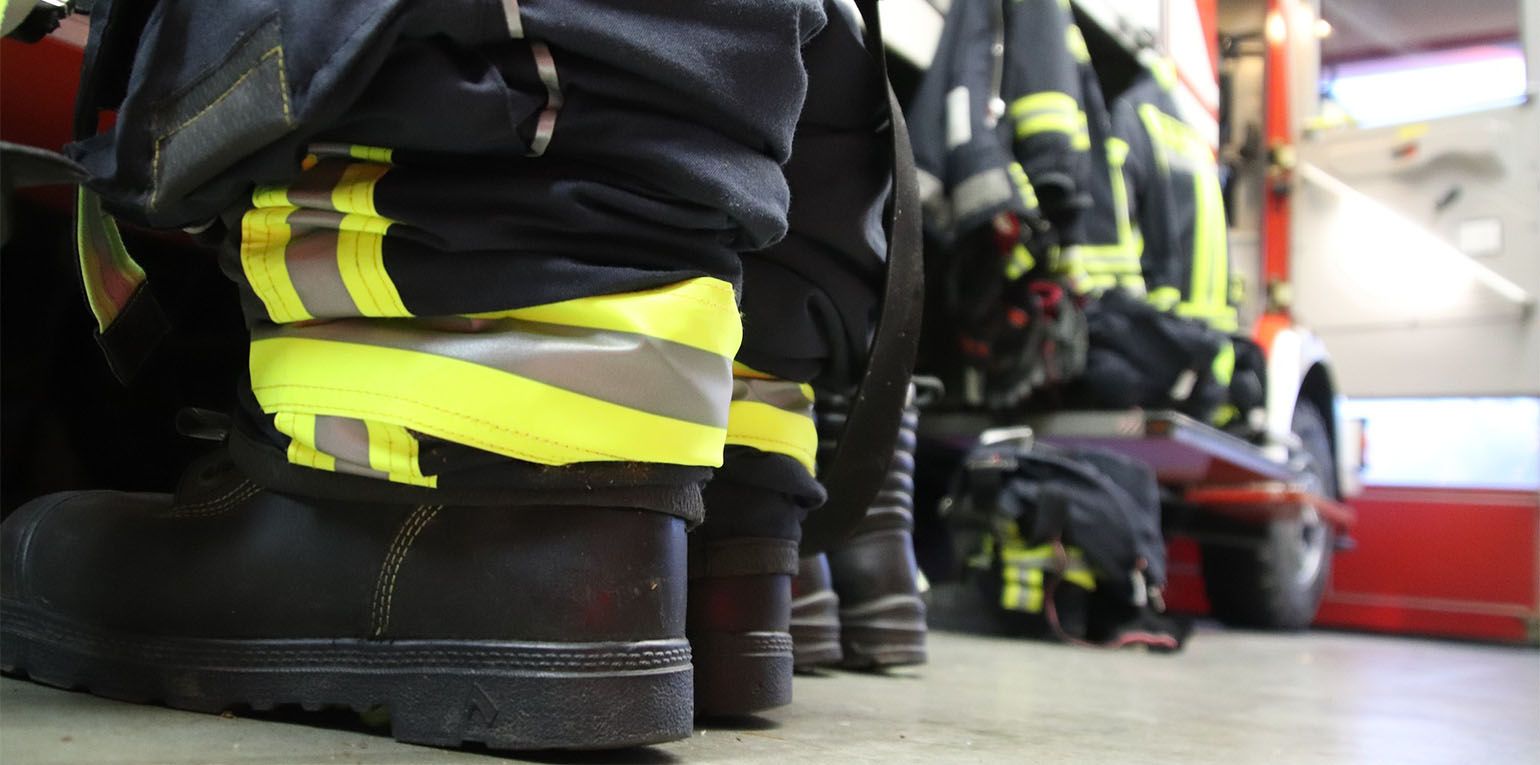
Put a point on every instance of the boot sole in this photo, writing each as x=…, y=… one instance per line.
x=739, y=674
x=815, y=630
x=503, y=694
x=888, y=632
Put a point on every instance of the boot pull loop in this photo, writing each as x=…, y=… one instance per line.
x=860, y=463
x=202, y=424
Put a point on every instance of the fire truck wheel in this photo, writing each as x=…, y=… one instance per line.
x=1277, y=584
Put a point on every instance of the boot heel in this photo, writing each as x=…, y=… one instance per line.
x=815, y=616
x=740, y=644
x=888, y=632
x=521, y=712
x=882, y=618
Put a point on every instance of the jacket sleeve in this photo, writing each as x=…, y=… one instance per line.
x=1151, y=202
x=1045, y=104
x=967, y=149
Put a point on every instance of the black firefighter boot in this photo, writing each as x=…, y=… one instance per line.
x=874, y=576
x=528, y=627
x=742, y=560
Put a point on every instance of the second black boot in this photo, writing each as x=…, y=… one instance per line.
x=742, y=560
x=874, y=572
x=815, y=615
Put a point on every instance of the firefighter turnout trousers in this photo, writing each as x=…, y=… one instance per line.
x=588, y=251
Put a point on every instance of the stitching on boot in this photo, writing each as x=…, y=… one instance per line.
x=229, y=500
x=234, y=490
x=385, y=584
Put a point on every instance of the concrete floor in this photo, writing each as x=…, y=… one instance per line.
x=1232, y=697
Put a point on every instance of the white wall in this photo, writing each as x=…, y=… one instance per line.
x=1381, y=282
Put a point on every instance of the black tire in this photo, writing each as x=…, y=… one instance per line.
x=1278, y=584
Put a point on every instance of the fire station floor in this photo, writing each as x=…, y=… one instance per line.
x=1232, y=697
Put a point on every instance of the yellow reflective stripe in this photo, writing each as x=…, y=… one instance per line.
x=1165, y=298
x=1023, y=185
x=469, y=404
x=771, y=429
x=1221, y=318
x=1022, y=572
x=370, y=153
x=1117, y=156
x=361, y=262
x=265, y=236
x=393, y=451
x=701, y=313
x=1164, y=70
x=1224, y=414
x=1022, y=589
x=1034, y=601
x=1075, y=40
x=1067, y=124
x=745, y=371
x=271, y=196
x=1081, y=577
x=354, y=192
x=1224, y=364
x=1046, y=101
x=300, y=428
x=1210, y=267
x=1020, y=263
x=1082, y=137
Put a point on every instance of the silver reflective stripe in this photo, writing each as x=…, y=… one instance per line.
x=314, y=188
x=982, y=192
x=632, y=370
x=347, y=441
x=933, y=200
x=312, y=262
x=515, y=23
x=781, y=394
x=959, y=117
x=546, y=65
x=930, y=186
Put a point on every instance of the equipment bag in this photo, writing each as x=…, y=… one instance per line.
x=1066, y=544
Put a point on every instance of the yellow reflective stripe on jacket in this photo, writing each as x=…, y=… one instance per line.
x=1180, y=147
x=1209, y=298
x=109, y=274
x=1075, y=41
x=1044, y=112
x=1020, y=262
x=1221, y=318
x=1117, y=157
x=1165, y=298
x=1023, y=184
x=1224, y=364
